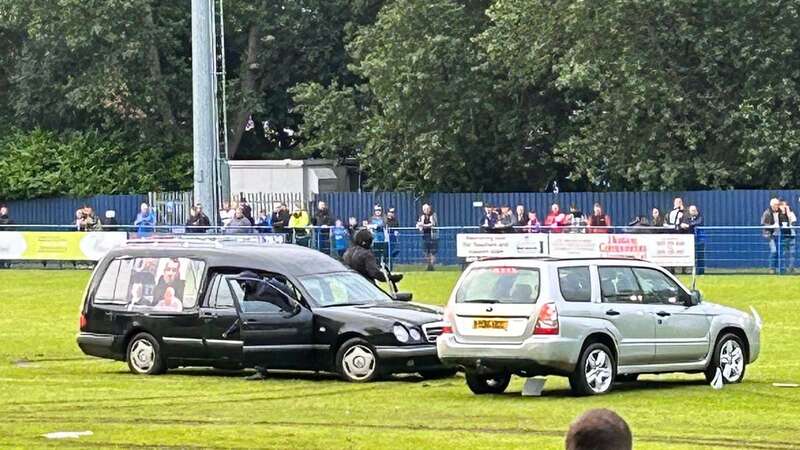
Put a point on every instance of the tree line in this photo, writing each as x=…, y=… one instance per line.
x=425, y=95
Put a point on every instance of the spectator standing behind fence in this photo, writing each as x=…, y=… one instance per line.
x=246, y=210
x=533, y=225
x=656, y=218
x=576, y=219
x=505, y=220
x=225, y=213
x=352, y=226
x=341, y=238
x=377, y=224
x=324, y=220
x=792, y=236
x=690, y=224
x=775, y=224
x=392, y=225
x=299, y=223
x=264, y=221
x=86, y=219
x=427, y=224
x=599, y=221
x=489, y=220
x=280, y=219
x=555, y=219
x=5, y=216
x=145, y=221
x=198, y=221
x=520, y=218
x=599, y=429
x=675, y=216
x=239, y=224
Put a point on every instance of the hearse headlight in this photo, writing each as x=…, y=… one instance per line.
x=400, y=333
x=415, y=335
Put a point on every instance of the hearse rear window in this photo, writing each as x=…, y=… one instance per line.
x=152, y=284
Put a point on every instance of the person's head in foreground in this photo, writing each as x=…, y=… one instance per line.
x=599, y=429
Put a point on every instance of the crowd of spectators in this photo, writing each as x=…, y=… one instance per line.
x=323, y=230
x=521, y=220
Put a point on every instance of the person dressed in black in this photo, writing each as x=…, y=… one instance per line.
x=280, y=219
x=263, y=295
x=198, y=222
x=360, y=258
x=324, y=220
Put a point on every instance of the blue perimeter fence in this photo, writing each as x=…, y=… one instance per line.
x=719, y=208
x=717, y=249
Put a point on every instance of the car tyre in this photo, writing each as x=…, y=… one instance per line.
x=730, y=358
x=595, y=371
x=437, y=374
x=357, y=361
x=144, y=355
x=487, y=384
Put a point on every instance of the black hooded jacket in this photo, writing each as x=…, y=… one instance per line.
x=360, y=258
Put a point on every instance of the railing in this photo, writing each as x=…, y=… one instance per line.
x=717, y=249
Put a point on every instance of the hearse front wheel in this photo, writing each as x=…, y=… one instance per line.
x=357, y=361
x=144, y=355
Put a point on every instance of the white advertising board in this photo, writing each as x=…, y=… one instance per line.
x=668, y=250
x=485, y=245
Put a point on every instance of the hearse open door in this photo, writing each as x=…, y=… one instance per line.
x=276, y=329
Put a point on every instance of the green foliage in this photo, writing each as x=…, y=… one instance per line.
x=461, y=95
x=41, y=163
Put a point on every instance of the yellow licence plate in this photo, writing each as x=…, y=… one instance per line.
x=491, y=324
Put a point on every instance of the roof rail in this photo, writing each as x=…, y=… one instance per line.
x=199, y=241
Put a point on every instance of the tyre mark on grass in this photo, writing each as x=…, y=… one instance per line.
x=249, y=396
x=714, y=441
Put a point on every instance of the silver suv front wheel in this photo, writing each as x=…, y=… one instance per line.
x=595, y=371
x=730, y=358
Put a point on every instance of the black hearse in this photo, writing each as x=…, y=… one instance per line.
x=161, y=305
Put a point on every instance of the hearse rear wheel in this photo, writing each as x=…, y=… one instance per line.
x=144, y=355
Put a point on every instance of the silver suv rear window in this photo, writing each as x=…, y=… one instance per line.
x=499, y=285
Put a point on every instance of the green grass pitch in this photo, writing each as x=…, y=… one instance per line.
x=46, y=385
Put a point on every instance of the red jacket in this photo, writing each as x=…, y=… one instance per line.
x=555, y=221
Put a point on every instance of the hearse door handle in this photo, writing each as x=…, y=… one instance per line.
x=109, y=314
x=612, y=312
x=663, y=314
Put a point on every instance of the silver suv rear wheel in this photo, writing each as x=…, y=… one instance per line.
x=595, y=371
x=487, y=384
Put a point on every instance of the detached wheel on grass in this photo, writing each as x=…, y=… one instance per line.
x=487, y=384
x=595, y=371
x=729, y=358
x=357, y=361
x=144, y=355
x=437, y=374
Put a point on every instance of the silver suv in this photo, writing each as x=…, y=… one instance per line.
x=595, y=321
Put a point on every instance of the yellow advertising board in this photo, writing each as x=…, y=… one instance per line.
x=58, y=245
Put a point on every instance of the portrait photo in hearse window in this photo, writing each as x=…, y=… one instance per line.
x=151, y=284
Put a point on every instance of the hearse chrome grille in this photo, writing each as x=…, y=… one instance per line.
x=432, y=330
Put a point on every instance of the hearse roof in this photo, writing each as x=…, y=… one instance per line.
x=279, y=258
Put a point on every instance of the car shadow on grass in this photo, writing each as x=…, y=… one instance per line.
x=288, y=375
x=634, y=386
